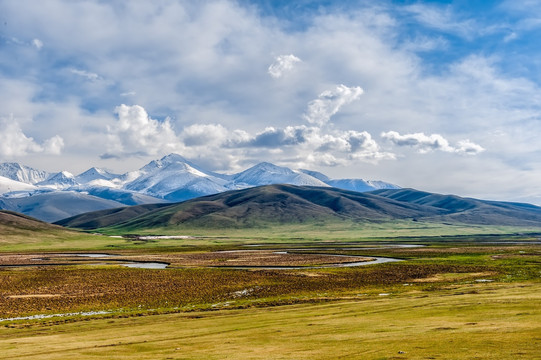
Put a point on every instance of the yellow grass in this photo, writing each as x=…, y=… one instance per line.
x=473, y=321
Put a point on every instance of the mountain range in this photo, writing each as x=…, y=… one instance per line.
x=54, y=196
x=273, y=205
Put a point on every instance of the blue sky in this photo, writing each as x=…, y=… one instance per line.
x=443, y=96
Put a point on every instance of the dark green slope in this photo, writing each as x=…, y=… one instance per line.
x=468, y=210
x=288, y=204
x=108, y=217
x=13, y=223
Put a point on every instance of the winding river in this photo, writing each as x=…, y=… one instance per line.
x=320, y=251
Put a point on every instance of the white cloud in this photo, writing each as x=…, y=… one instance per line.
x=135, y=133
x=329, y=102
x=442, y=18
x=38, y=44
x=468, y=148
x=54, y=145
x=282, y=64
x=353, y=145
x=426, y=143
x=273, y=137
x=313, y=144
x=204, y=134
x=14, y=143
x=510, y=37
x=86, y=74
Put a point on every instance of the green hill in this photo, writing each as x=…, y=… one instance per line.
x=287, y=204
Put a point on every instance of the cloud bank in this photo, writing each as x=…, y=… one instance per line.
x=14, y=143
x=425, y=143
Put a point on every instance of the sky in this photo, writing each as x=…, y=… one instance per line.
x=442, y=96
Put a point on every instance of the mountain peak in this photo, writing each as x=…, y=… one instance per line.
x=164, y=162
x=266, y=173
x=94, y=173
x=173, y=158
x=61, y=180
x=22, y=173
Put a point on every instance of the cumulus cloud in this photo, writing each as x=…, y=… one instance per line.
x=135, y=133
x=356, y=145
x=54, y=145
x=426, y=143
x=329, y=102
x=204, y=134
x=468, y=148
x=13, y=141
x=282, y=64
x=273, y=137
x=334, y=148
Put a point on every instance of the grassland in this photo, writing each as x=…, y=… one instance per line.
x=459, y=297
x=481, y=321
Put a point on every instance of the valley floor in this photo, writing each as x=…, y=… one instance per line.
x=451, y=298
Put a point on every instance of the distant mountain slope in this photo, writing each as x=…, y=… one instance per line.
x=109, y=217
x=468, y=210
x=13, y=225
x=54, y=206
x=289, y=204
x=360, y=185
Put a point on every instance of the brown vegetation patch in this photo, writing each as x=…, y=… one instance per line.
x=246, y=258
x=85, y=289
x=195, y=259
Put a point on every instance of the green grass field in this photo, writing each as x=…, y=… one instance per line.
x=61, y=240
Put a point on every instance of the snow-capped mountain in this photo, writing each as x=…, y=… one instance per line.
x=169, y=179
x=316, y=174
x=266, y=174
x=172, y=174
x=59, y=181
x=93, y=174
x=22, y=173
x=360, y=185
